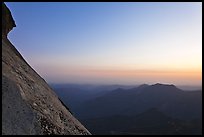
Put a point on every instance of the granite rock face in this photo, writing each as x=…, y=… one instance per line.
x=7, y=21
x=29, y=106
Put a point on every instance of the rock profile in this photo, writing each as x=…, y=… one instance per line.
x=29, y=105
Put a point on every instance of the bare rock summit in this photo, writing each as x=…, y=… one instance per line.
x=29, y=105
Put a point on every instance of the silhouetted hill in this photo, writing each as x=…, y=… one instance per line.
x=145, y=109
x=167, y=98
x=75, y=94
x=150, y=122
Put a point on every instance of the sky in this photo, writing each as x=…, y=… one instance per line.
x=110, y=43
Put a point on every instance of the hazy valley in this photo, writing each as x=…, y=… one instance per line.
x=140, y=109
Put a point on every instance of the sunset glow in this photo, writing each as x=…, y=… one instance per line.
x=118, y=43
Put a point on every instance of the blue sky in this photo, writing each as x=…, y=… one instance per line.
x=110, y=42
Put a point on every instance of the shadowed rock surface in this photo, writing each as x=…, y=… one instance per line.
x=29, y=106
x=7, y=21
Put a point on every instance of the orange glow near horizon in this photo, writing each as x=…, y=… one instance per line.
x=148, y=74
x=118, y=76
x=123, y=43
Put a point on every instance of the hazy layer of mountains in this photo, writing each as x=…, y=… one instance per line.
x=141, y=109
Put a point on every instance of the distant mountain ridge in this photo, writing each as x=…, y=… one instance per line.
x=144, y=109
x=167, y=98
